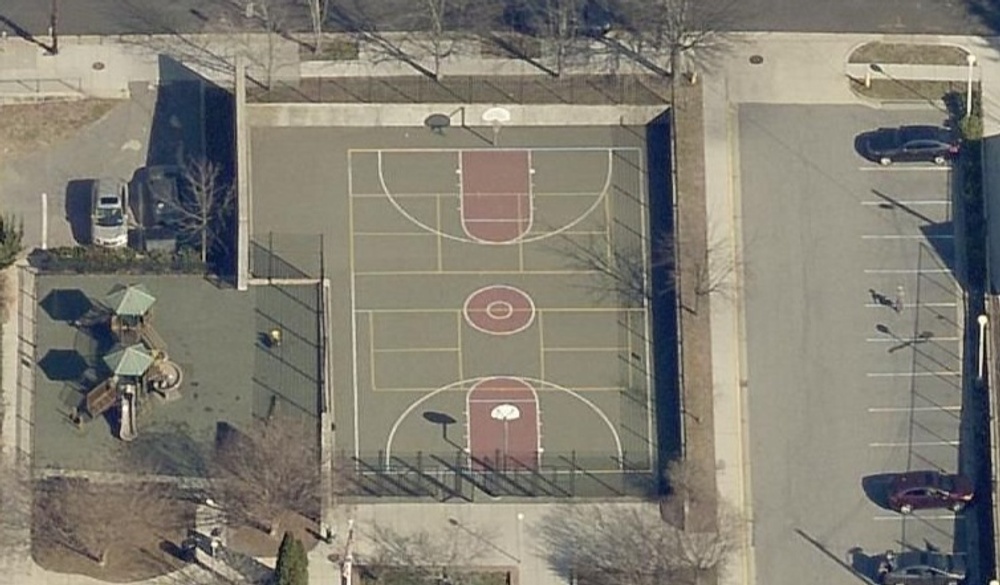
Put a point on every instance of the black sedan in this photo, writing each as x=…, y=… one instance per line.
x=909, y=144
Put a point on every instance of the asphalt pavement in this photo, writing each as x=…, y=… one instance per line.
x=842, y=391
x=887, y=16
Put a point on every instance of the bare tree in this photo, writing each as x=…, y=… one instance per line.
x=558, y=22
x=624, y=268
x=210, y=201
x=680, y=29
x=423, y=555
x=631, y=544
x=91, y=518
x=620, y=267
x=318, y=10
x=267, y=468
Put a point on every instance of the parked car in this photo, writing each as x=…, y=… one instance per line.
x=109, y=222
x=917, y=490
x=910, y=144
x=157, y=206
x=921, y=568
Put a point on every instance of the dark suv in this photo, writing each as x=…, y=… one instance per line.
x=918, y=490
x=909, y=144
x=157, y=205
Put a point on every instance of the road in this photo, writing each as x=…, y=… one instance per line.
x=102, y=17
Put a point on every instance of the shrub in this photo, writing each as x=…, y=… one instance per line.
x=11, y=234
x=292, y=567
x=85, y=259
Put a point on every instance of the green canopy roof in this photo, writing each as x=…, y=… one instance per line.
x=133, y=360
x=131, y=300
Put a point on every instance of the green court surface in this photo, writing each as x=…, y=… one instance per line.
x=487, y=310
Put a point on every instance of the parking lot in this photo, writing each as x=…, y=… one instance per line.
x=853, y=348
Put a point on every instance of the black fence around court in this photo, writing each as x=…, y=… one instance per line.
x=497, y=89
x=284, y=256
x=443, y=477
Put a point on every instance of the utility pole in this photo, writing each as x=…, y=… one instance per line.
x=53, y=27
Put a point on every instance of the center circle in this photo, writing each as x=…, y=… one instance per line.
x=500, y=310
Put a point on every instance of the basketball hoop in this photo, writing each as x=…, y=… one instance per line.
x=496, y=117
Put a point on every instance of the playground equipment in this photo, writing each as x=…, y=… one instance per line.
x=139, y=365
x=126, y=429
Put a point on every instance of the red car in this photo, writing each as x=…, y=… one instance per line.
x=918, y=490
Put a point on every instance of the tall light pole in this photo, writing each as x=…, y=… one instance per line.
x=971, y=60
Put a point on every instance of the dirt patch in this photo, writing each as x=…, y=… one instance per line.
x=136, y=549
x=257, y=543
x=905, y=90
x=909, y=54
x=27, y=127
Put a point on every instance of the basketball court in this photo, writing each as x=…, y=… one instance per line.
x=468, y=337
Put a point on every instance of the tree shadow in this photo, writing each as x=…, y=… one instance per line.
x=63, y=365
x=66, y=304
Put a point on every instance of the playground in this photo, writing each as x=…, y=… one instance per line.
x=480, y=342
x=157, y=363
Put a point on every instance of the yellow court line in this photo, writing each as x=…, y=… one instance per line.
x=539, y=311
x=568, y=349
x=437, y=233
x=506, y=401
x=541, y=345
x=394, y=234
x=477, y=272
x=461, y=356
x=371, y=349
x=566, y=149
x=415, y=349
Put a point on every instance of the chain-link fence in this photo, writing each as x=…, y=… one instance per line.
x=26, y=360
x=499, y=89
x=446, y=476
x=284, y=256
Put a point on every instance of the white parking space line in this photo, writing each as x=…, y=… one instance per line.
x=917, y=444
x=898, y=517
x=911, y=374
x=910, y=203
x=908, y=237
x=895, y=409
x=909, y=339
x=898, y=169
x=907, y=271
x=911, y=306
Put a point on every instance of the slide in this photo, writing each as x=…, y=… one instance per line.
x=126, y=431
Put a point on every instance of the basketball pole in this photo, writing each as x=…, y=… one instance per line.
x=496, y=132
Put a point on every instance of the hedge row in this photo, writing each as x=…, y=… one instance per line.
x=85, y=259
